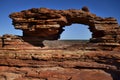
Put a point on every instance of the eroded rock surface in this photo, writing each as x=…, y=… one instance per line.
x=59, y=65
x=48, y=23
x=34, y=57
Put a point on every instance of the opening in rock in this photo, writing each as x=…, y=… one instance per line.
x=76, y=32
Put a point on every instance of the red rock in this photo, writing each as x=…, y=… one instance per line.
x=92, y=75
x=48, y=23
x=28, y=57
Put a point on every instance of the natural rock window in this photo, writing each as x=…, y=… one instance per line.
x=48, y=24
x=76, y=32
x=39, y=55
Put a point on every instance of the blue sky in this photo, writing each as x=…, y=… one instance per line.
x=103, y=8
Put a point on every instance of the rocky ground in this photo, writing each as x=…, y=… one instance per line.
x=28, y=57
x=59, y=65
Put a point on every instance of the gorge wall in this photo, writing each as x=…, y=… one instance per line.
x=39, y=55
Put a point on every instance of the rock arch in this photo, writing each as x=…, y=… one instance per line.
x=48, y=24
x=76, y=32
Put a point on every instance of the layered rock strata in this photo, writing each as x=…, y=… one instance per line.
x=59, y=65
x=48, y=23
x=22, y=43
x=38, y=55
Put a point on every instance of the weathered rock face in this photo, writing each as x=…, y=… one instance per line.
x=59, y=65
x=22, y=58
x=48, y=23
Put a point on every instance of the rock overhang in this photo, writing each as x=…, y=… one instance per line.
x=48, y=23
x=23, y=58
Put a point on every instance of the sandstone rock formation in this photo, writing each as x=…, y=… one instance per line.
x=22, y=58
x=59, y=65
x=48, y=23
